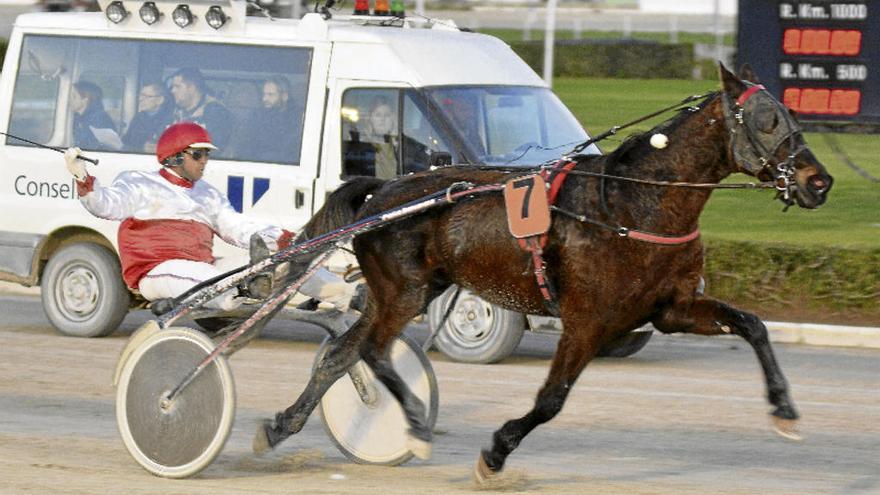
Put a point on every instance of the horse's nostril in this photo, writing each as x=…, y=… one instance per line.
x=818, y=183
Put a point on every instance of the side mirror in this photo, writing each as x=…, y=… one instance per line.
x=440, y=159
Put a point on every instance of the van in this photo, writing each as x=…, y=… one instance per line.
x=362, y=95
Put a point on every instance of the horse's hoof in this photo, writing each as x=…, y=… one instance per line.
x=420, y=448
x=787, y=428
x=483, y=474
x=263, y=438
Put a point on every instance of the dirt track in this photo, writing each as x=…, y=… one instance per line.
x=683, y=416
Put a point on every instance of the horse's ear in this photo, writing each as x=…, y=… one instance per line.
x=731, y=84
x=747, y=74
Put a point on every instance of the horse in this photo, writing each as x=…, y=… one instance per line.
x=607, y=281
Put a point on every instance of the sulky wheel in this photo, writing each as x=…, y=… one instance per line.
x=180, y=438
x=373, y=430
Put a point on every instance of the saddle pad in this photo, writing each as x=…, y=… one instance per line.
x=525, y=199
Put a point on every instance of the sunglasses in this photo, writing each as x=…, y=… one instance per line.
x=198, y=154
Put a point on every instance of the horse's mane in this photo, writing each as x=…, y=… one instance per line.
x=635, y=147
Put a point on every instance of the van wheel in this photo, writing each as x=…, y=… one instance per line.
x=82, y=291
x=476, y=331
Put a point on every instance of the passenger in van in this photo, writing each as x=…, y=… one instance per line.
x=194, y=104
x=155, y=113
x=93, y=129
x=381, y=132
x=274, y=131
x=169, y=219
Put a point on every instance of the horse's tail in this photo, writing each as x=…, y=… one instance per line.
x=342, y=206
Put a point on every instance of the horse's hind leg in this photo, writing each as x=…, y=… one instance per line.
x=710, y=317
x=343, y=352
x=413, y=408
x=575, y=349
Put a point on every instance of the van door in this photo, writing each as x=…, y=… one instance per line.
x=344, y=117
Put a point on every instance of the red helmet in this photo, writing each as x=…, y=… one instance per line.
x=181, y=136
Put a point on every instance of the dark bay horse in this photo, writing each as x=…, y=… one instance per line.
x=607, y=284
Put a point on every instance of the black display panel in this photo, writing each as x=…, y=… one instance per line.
x=821, y=58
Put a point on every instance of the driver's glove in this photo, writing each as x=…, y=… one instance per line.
x=75, y=166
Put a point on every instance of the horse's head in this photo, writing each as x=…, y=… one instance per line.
x=766, y=142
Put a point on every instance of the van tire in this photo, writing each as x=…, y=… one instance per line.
x=82, y=292
x=475, y=331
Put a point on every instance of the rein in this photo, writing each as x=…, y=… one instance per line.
x=691, y=185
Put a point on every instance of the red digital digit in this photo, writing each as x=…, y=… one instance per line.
x=791, y=98
x=846, y=42
x=815, y=41
x=815, y=100
x=844, y=102
x=791, y=41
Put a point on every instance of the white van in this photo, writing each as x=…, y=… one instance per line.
x=366, y=96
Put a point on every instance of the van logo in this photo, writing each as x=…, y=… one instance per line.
x=235, y=191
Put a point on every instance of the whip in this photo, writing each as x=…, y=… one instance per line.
x=93, y=161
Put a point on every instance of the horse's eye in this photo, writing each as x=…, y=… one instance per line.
x=766, y=121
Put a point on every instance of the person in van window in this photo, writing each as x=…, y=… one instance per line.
x=154, y=114
x=381, y=132
x=169, y=219
x=274, y=131
x=93, y=129
x=194, y=104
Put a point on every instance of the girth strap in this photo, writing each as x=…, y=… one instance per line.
x=545, y=286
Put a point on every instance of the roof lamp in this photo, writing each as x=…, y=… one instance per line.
x=149, y=13
x=381, y=8
x=397, y=8
x=116, y=12
x=182, y=16
x=215, y=17
x=361, y=7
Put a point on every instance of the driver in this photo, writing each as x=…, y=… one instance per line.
x=169, y=218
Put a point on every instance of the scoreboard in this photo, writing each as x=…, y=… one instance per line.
x=821, y=58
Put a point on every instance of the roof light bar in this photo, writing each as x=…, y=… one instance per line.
x=182, y=16
x=116, y=12
x=215, y=17
x=149, y=13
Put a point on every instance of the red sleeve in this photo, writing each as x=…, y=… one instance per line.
x=86, y=186
x=285, y=239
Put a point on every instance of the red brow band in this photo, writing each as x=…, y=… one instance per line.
x=748, y=93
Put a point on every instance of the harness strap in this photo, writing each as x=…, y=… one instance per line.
x=748, y=94
x=660, y=239
x=545, y=286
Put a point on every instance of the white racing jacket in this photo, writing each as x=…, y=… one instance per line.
x=167, y=217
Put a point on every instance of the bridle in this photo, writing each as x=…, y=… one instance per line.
x=755, y=149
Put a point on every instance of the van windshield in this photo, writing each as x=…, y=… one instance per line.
x=509, y=125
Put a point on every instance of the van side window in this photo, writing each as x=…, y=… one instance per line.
x=386, y=133
x=121, y=94
x=37, y=91
x=370, y=133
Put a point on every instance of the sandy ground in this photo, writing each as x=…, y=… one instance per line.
x=684, y=416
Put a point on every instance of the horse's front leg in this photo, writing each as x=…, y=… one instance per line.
x=708, y=316
x=577, y=346
x=343, y=352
